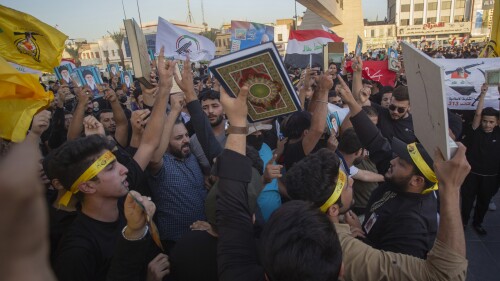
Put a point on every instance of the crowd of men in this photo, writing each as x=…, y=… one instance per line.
x=150, y=184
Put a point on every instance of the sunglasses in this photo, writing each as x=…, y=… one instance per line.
x=400, y=110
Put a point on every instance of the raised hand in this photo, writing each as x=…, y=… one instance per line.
x=344, y=92
x=272, y=170
x=165, y=71
x=451, y=174
x=110, y=95
x=92, y=126
x=186, y=83
x=41, y=122
x=138, y=211
x=235, y=108
x=357, y=65
x=139, y=119
x=177, y=102
x=325, y=82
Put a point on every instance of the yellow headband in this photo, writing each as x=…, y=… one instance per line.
x=341, y=179
x=423, y=167
x=94, y=169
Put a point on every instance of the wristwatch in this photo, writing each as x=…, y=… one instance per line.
x=237, y=130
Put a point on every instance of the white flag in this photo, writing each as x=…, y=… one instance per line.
x=179, y=42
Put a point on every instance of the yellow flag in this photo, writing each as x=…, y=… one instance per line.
x=21, y=97
x=29, y=42
x=492, y=49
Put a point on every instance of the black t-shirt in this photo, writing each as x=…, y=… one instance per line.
x=293, y=153
x=483, y=150
x=401, y=128
x=59, y=221
x=86, y=249
x=136, y=177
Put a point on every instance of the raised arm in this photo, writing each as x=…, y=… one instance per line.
x=477, y=116
x=76, y=126
x=318, y=120
x=177, y=101
x=357, y=79
x=154, y=128
x=121, y=132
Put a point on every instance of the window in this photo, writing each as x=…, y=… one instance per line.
x=445, y=18
x=280, y=37
x=405, y=22
x=432, y=6
x=389, y=32
x=405, y=8
x=96, y=55
x=431, y=20
x=418, y=21
x=418, y=7
x=445, y=5
x=459, y=4
x=112, y=53
x=106, y=54
x=459, y=18
x=91, y=55
x=372, y=33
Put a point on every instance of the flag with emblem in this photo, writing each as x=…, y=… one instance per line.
x=27, y=41
x=180, y=43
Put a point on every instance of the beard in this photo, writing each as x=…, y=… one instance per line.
x=179, y=153
x=217, y=122
x=398, y=185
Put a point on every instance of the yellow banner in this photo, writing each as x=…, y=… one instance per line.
x=27, y=41
x=21, y=97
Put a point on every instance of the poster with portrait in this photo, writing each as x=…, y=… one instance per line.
x=246, y=34
x=359, y=47
x=126, y=78
x=113, y=70
x=90, y=76
x=392, y=59
x=63, y=73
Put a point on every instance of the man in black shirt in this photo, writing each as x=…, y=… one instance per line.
x=483, y=149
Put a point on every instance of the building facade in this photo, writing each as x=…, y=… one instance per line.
x=379, y=34
x=431, y=20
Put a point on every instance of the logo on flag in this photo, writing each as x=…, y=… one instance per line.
x=27, y=45
x=184, y=44
x=180, y=43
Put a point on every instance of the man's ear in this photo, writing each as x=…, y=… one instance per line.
x=417, y=181
x=88, y=187
x=57, y=184
x=333, y=210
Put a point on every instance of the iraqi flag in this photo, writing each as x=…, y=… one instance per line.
x=180, y=43
x=306, y=47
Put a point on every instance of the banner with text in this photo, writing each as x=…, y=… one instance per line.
x=246, y=34
x=463, y=80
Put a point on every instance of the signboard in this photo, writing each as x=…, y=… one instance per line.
x=435, y=28
x=246, y=34
x=463, y=79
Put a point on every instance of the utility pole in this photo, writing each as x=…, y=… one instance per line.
x=203, y=16
x=139, y=11
x=124, y=15
x=190, y=16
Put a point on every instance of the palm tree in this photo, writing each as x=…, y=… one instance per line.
x=210, y=34
x=74, y=52
x=118, y=39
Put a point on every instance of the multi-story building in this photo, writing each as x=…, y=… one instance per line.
x=379, y=34
x=432, y=20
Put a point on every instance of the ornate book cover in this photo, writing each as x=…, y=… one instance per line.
x=271, y=93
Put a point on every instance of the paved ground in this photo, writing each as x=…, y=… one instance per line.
x=483, y=252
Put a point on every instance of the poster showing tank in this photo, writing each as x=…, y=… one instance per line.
x=246, y=34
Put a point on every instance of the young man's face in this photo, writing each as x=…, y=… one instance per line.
x=179, y=142
x=386, y=100
x=399, y=109
x=399, y=173
x=108, y=122
x=112, y=181
x=335, y=100
x=214, y=111
x=488, y=123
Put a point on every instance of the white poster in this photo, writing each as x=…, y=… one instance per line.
x=463, y=80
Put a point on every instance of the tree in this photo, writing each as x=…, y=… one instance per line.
x=74, y=52
x=118, y=39
x=210, y=34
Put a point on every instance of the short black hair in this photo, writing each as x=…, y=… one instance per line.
x=68, y=162
x=300, y=243
x=489, y=111
x=98, y=114
x=332, y=94
x=313, y=178
x=296, y=124
x=349, y=142
x=401, y=94
x=87, y=72
x=209, y=94
x=370, y=110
